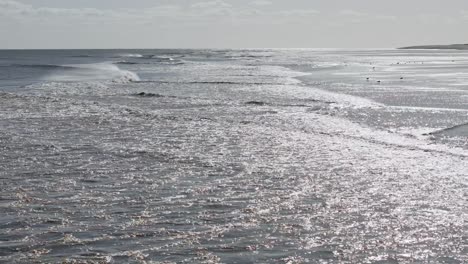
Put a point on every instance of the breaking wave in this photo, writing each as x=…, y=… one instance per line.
x=129, y=55
x=163, y=58
x=91, y=72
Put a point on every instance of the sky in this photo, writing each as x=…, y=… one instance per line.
x=30, y=24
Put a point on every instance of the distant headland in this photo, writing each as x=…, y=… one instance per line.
x=452, y=47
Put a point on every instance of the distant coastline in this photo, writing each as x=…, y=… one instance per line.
x=452, y=47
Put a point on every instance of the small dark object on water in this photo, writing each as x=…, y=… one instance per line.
x=367, y=78
x=255, y=103
x=143, y=94
x=401, y=78
x=378, y=81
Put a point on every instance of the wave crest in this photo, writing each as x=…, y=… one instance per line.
x=92, y=72
x=129, y=55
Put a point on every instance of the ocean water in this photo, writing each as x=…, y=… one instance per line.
x=234, y=156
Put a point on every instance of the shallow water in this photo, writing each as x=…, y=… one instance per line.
x=233, y=156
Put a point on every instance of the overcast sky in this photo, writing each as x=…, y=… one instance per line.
x=231, y=23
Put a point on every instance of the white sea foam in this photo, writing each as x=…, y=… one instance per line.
x=130, y=55
x=164, y=58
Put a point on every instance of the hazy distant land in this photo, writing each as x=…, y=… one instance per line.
x=452, y=46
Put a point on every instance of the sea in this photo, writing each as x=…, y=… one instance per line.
x=234, y=156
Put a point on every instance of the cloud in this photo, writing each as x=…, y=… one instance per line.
x=357, y=17
x=212, y=4
x=206, y=13
x=298, y=12
x=215, y=7
x=260, y=3
x=14, y=9
x=23, y=12
x=352, y=13
x=10, y=8
x=12, y=5
x=210, y=11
